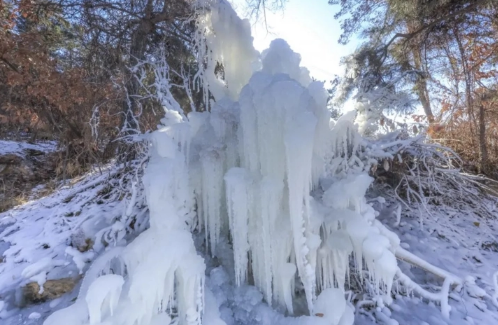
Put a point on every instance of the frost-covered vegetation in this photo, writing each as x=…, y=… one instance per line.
x=256, y=207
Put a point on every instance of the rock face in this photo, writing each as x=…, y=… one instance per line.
x=52, y=289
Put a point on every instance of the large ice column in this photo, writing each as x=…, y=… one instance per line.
x=279, y=119
x=224, y=40
x=163, y=270
x=165, y=253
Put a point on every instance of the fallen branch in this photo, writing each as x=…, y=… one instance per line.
x=92, y=184
x=441, y=296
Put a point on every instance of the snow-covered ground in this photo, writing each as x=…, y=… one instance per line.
x=459, y=242
x=35, y=237
x=35, y=240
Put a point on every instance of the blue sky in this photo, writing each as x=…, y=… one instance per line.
x=310, y=29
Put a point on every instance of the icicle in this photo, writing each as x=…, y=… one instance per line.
x=298, y=137
x=398, y=215
x=103, y=295
x=281, y=248
x=340, y=247
x=380, y=261
x=239, y=204
x=322, y=140
x=357, y=229
x=190, y=282
x=287, y=274
x=248, y=144
x=270, y=198
x=212, y=194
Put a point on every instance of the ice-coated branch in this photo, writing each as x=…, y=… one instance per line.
x=414, y=260
x=441, y=297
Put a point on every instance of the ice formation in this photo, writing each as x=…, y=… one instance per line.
x=103, y=295
x=250, y=164
x=332, y=306
x=271, y=147
x=161, y=267
x=225, y=41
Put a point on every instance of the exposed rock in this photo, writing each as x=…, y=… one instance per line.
x=80, y=241
x=52, y=289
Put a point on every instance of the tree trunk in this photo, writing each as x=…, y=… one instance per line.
x=138, y=48
x=468, y=92
x=421, y=83
x=483, y=149
x=137, y=53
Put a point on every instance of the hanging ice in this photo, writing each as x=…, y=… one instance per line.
x=103, y=295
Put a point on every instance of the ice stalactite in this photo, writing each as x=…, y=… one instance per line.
x=357, y=229
x=351, y=226
x=338, y=248
x=298, y=138
x=217, y=147
x=270, y=196
x=224, y=120
x=346, y=144
x=103, y=293
x=322, y=140
x=362, y=234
